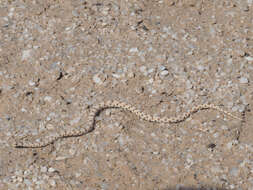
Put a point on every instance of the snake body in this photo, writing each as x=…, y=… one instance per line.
x=127, y=107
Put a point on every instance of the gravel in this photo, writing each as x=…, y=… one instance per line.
x=57, y=60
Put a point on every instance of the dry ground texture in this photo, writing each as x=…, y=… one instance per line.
x=58, y=59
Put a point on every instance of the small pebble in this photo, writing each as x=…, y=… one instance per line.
x=23, y=110
x=43, y=169
x=48, y=98
x=31, y=83
x=244, y=80
x=131, y=75
x=200, y=67
x=26, y=54
x=249, y=58
x=116, y=76
x=133, y=50
x=164, y=73
x=122, y=140
x=61, y=158
x=229, y=145
x=188, y=84
x=161, y=67
x=51, y=170
x=96, y=79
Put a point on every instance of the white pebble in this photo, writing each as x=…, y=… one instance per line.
x=23, y=110
x=116, y=76
x=164, y=73
x=161, y=67
x=133, y=50
x=75, y=13
x=122, y=141
x=230, y=61
x=188, y=84
x=31, y=83
x=235, y=108
x=244, y=80
x=241, y=108
x=43, y=169
x=216, y=135
x=26, y=54
x=96, y=79
x=151, y=70
x=130, y=75
x=48, y=98
x=200, y=67
x=78, y=174
x=249, y=58
x=151, y=81
x=27, y=172
x=19, y=179
x=34, y=178
x=61, y=158
x=229, y=145
x=51, y=170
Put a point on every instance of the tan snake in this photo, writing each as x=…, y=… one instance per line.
x=116, y=104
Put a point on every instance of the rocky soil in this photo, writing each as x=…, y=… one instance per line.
x=60, y=58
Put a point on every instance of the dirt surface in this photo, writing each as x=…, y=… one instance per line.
x=60, y=58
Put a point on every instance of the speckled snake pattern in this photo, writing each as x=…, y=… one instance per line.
x=116, y=104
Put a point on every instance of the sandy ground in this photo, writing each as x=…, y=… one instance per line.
x=60, y=58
